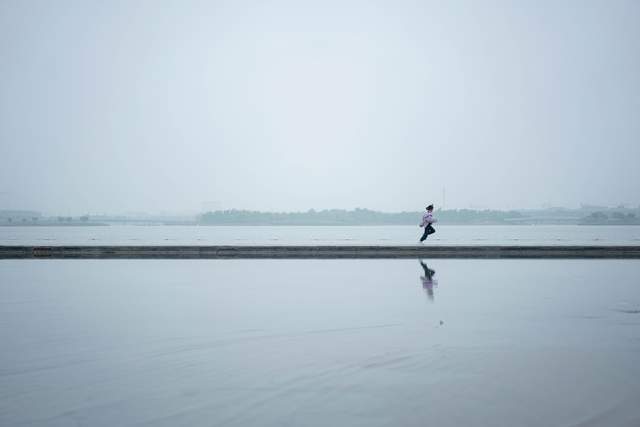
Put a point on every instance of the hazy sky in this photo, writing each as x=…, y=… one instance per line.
x=114, y=106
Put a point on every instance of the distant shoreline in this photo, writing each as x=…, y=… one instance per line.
x=588, y=215
x=53, y=224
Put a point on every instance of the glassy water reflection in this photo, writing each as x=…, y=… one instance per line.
x=319, y=342
x=428, y=282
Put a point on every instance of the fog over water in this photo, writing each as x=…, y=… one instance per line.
x=113, y=109
x=286, y=105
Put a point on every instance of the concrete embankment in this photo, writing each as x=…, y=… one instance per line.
x=323, y=252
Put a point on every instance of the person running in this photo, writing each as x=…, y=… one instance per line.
x=427, y=220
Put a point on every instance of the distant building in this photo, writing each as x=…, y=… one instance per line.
x=16, y=216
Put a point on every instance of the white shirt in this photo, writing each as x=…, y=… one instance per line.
x=427, y=218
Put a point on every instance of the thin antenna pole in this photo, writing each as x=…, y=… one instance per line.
x=444, y=199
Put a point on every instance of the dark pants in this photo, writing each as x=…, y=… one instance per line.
x=428, y=229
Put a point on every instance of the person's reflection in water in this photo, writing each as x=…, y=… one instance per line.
x=428, y=282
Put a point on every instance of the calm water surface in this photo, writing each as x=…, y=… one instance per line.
x=320, y=342
x=288, y=235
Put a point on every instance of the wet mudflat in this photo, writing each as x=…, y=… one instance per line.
x=319, y=342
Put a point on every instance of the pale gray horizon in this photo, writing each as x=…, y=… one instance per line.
x=184, y=106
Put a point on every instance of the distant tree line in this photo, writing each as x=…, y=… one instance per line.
x=357, y=216
x=615, y=218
